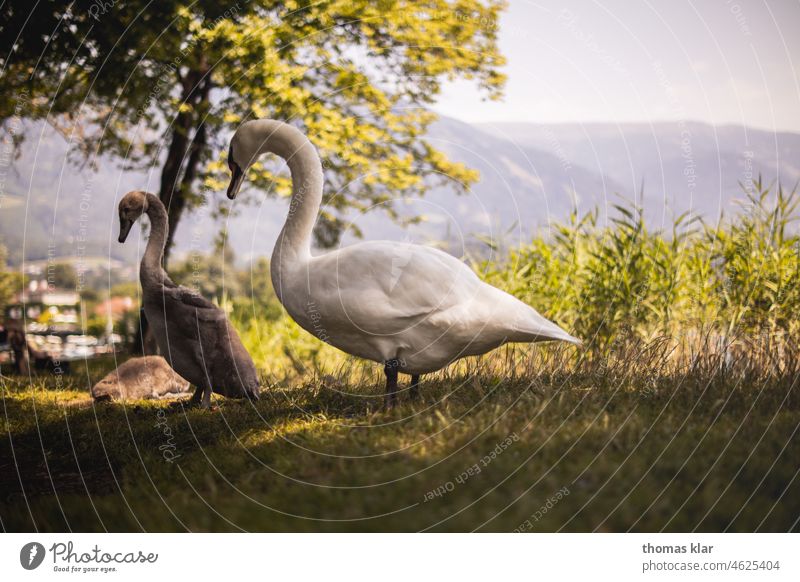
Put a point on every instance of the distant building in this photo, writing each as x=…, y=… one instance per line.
x=42, y=305
x=115, y=307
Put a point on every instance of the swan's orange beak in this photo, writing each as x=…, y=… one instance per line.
x=237, y=177
x=124, y=228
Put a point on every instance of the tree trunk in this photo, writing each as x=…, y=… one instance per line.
x=184, y=155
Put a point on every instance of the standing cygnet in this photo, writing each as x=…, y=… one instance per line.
x=140, y=379
x=192, y=333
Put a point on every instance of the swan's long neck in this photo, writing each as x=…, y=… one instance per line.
x=151, y=271
x=294, y=243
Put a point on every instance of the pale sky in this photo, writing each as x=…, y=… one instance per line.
x=718, y=61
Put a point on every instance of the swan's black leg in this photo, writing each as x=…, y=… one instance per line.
x=413, y=390
x=207, y=397
x=390, y=369
x=195, y=399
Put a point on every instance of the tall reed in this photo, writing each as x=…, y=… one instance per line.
x=726, y=294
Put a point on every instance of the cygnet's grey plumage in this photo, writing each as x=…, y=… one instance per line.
x=193, y=334
x=140, y=379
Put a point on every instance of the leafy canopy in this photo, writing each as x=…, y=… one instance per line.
x=128, y=78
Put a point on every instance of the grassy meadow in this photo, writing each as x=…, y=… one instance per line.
x=680, y=413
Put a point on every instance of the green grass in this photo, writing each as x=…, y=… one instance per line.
x=637, y=445
x=681, y=414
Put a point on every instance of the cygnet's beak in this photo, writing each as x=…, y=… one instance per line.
x=237, y=177
x=124, y=228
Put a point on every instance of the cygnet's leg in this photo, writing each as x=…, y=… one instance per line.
x=390, y=369
x=413, y=390
x=207, y=396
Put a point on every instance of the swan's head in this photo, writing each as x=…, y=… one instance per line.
x=131, y=207
x=237, y=173
x=243, y=151
x=257, y=137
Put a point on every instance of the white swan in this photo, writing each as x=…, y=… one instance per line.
x=415, y=309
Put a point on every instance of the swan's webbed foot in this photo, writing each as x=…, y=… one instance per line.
x=390, y=369
x=413, y=388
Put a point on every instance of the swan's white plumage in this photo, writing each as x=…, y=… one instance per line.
x=381, y=300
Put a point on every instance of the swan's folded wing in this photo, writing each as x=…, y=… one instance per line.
x=182, y=298
x=389, y=284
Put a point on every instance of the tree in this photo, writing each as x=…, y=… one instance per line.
x=62, y=275
x=163, y=84
x=10, y=282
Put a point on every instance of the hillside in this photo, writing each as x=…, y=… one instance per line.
x=531, y=175
x=680, y=166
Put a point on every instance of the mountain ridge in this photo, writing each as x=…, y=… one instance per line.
x=532, y=175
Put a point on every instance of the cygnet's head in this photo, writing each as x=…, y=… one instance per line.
x=131, y=207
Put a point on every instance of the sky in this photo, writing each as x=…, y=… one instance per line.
x=717, y=61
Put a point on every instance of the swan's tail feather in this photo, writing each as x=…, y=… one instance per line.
x=565, y=337
x=542, y=330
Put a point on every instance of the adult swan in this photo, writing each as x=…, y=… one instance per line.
x=412, y=308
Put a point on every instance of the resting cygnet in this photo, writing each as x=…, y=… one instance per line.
x=192, y=333
x=140, y=379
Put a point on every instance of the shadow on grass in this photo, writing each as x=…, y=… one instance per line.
x=645, y=453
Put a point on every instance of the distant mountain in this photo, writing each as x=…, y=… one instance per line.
x=679, y=166
x=531, y=175
x=51, y=208
x=520, y=184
